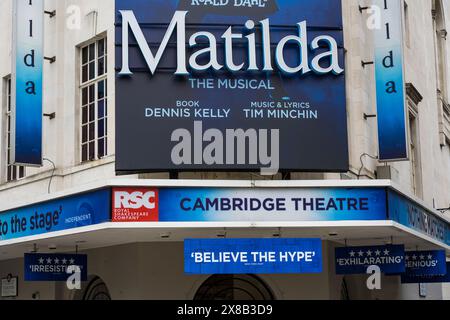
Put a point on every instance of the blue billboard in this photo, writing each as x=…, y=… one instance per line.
x=290, y=204
x=54, y=267
x=425, y=263
x=356, y=260
x=254, y=256
x=390, y=83
x=56, y=215
x=230, y=85
x=418, y=218
x=27, y=83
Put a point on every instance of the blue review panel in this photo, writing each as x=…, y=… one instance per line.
x=254, y=256
x=54, y=267
x=425, y=263
x=356, y=260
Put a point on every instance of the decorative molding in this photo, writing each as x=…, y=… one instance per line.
x=413, y=93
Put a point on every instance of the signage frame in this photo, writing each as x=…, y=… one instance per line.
x=245, y=257
x=157, y=158
x=372, y=252
x=54, y=276
x=385, y=47
x=9, y=279
x=26, y=110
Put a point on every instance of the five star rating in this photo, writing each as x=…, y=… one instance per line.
x=369, y=253
x=63, y=261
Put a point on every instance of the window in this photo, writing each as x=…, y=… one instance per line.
x=413, y=100
x=440, y=37
x=233, y=287
x=97, y=290
x=413, y=152
x=13, y=172
x=416, y=178
x=94, y=101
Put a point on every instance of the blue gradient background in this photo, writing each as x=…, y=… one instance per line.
x=391, y=107
x=27, y=135
x=399, y=207
x=170, y=210
x=97, y=204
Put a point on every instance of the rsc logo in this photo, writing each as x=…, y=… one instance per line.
x=135, y=205
x=135, y=200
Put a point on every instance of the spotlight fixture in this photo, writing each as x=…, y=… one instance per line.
x=333, y=234
x=165, y=235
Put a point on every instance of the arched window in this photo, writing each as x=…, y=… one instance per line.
x=234, y=287
x=96, y=290
x=345, y=296
x=441, y=34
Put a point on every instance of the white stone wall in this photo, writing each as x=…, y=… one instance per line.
x=61, y=135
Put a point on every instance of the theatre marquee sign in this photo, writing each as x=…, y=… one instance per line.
x=230, y=85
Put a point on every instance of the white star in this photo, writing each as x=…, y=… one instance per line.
x=56, y=261
x=361, y=254
x=430, y=257
x=378, y=252
x=422, y=257
x=72, y=261
x=369, y=253
x=406, y=257
x=386, y=252
x=64, y=261
x=41, y=260
x=49, y=260
x=414, y=257
x=352, y=254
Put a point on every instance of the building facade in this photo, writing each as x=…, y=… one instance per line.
x=145, y=261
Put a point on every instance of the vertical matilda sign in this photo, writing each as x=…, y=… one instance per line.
x=389, y=73
x=28, y=44
x=230, y=85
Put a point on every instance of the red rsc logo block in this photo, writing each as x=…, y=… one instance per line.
x=135, y=205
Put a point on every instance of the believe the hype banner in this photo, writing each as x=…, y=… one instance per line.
x=356, y=260
x=236, y=204
x=253, y=256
